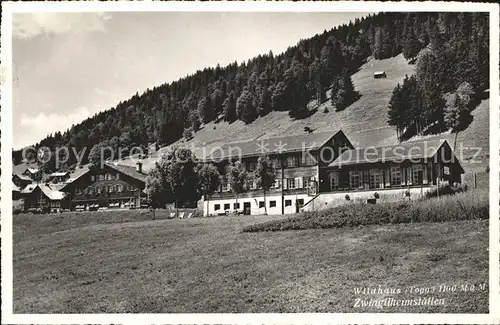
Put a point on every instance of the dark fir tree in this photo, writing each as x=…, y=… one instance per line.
x=343, y=92
x=411, y=46
x=244, y=107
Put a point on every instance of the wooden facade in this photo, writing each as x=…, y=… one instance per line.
x=438, y=166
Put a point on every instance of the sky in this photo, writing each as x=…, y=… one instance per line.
x=69, y=66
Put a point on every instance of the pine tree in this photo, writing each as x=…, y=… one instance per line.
x=205, y=109
x=315, y=77
x=382, y=48
x=343, y=92
x=265, y=176
x=331, y=62
x=279, y=97
x=396, y=113
x=264, y=101
x=208, y=180
x=245, y=110
x=411, y=46
x=452, y=114
x=216, y=100
x=194, y=120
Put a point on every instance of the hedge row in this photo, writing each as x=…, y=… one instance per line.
x=463, y=206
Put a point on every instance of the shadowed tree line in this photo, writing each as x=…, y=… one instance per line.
x=451, y=77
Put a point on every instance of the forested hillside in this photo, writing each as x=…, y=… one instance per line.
x=453, y=65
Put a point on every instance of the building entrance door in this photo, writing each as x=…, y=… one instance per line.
x=246, y=208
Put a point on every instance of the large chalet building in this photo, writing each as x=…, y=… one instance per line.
x=297, y=164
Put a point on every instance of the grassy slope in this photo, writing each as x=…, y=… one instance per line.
x=368, y=113
x=208, y=265
x=364, y=122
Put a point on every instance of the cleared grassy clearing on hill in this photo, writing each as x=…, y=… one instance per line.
x=364, y=122
x=471, y=205
x=208, y=265
x=369, y=112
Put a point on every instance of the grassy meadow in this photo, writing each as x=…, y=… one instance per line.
x=123, y=262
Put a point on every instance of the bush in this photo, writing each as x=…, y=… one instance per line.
x=187, y=134
x=197, y=214
x=462, y=206
x=446, y=190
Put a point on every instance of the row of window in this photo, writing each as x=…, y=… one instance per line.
x=393, y=176
x=289, y=184
x=272, y=204
x=118, y=188
x=105, y=177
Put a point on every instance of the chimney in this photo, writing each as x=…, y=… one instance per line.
x=138, y=167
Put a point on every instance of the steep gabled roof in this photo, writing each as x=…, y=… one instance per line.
x=29, y=188
x=56, y=174
x=128, y=170
x=276, y=145
x=57, y=186
x=397, y=153
x=52, y=194
x=77, y=173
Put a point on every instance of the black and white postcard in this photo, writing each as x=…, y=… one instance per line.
x=264, y=162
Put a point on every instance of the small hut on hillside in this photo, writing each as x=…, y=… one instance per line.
x=379, y=74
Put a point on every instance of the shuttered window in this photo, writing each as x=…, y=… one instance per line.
x=354, y=179
x=418, y=174
x=375, y=178
x=396, y=175
x=277, y=183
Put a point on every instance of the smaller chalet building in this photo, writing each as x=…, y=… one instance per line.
x=392, y=172
x=21, y=180
x=112, y=186
x=42, y=196
x=411, y=164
